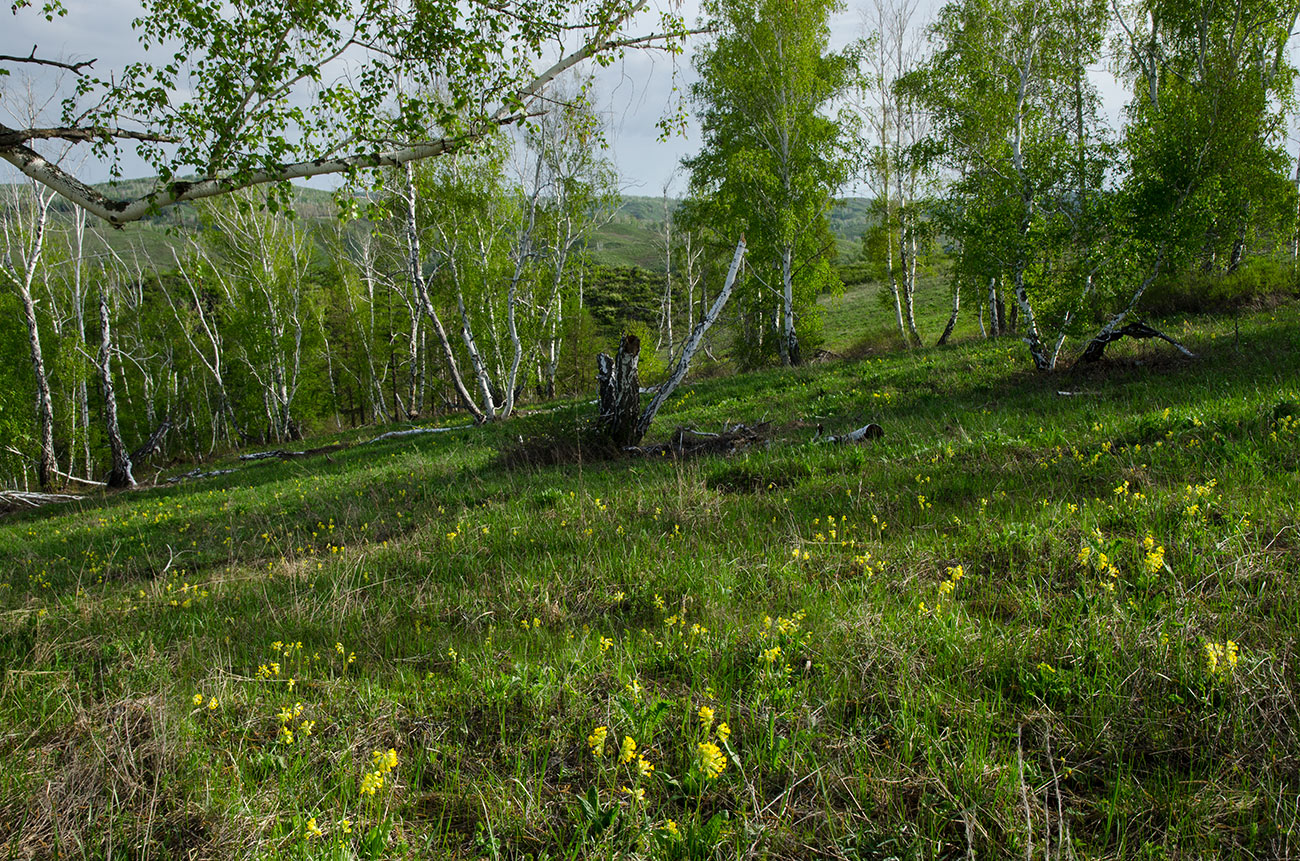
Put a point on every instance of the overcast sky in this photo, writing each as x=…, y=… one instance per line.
x=634, y=92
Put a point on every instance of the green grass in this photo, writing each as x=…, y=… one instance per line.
x=862, y=321
x=499, y=616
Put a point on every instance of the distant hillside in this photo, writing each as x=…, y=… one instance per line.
x=633, y=237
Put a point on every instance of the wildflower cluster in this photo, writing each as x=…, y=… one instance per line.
x=186, y=595
x=709, y=758
x=628, y=755
x=1124, y=494
x=287, y=715
x=382, y=763
x=1198, y=499
x=1220, y=658
x=830, y=533
x=946, y=588
x=213, y=703
x=1154, y=555
x=1285, y=426
x=596, y=741
x=1100, y=562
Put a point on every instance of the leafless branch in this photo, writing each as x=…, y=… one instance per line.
x=32, y=59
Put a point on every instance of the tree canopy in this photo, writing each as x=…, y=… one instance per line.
x=233, y=94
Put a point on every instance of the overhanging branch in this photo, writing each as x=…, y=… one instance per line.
x=119, y=212
x=514, y=109
x=32, y=59
x=74, y=134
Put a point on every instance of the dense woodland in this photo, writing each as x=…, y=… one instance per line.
x=473, y=281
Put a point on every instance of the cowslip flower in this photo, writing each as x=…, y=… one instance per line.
x=596, y=741
x=384, y=761
x=371, y=782
x=627, y=750
x=711, y=760
x=706, y=718
x=724, y=731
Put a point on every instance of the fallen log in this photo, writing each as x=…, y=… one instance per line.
x=283, y=454
x=689, y=442
x=196, y=474
x=866, y=432
x=412, y=432
x=13, y=499
x=1097, y=346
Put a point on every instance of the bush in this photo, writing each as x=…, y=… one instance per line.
x=1256, y=282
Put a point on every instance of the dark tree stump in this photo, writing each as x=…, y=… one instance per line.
x=620, y=393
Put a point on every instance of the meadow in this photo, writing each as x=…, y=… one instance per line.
x=1045, y=616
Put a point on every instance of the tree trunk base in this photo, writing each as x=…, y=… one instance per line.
x=620, y=393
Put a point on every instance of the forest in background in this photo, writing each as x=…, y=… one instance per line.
x=492, y=273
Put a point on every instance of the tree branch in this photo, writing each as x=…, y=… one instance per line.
x=31, y=58
x=119, y=212
x=13, y=137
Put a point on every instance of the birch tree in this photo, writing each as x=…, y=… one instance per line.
x=771, y=156
x=1015, y=115
x=261, y=261
x=24, y=228
x=1205, y=139
x=897, y=173
x=235, y=94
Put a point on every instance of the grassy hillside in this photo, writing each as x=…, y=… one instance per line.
x=1050, y=616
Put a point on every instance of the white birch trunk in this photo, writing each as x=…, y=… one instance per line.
x=30, y=255
x=417, y=278
x=789, y=346
x=120, y=473
x=691, y=345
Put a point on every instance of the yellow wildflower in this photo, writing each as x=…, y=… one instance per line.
x=706, y=718
x=371, y=782
x=313, y=830
x=627, y=750
x=711, y=760
x=724, y=731
x=596, y=741
x=198, y=699
x=644, y=767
